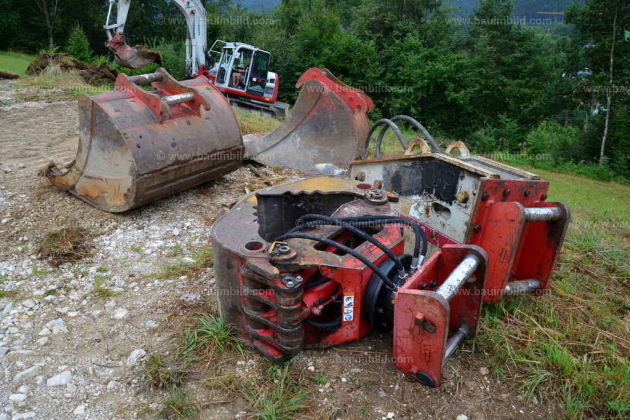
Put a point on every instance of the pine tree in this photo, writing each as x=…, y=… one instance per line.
x=78, y=45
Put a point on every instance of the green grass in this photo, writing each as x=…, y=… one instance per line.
x=209, y=337
x=573, y=343
x=159, y=375
x=14, y=62
x=99, y=290
x=54, y=83
x=281, y=397
x=8, y=293
x=207, y=343
x=255, y=122
x=320, y=379
x=201, y=259
x=179, y=405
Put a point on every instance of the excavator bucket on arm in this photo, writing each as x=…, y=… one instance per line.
x=327, y=125
x=131, y=57
x=137, y=146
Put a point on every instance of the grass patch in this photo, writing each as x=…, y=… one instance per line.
x=255, y=122
x=202, y=344
x=590, y=170
x=280, y=397
x=572, y=343
x=159, y=375
x=14, y=62
x=209, y=337
x=201, y=259
x=138, y=250
x=179, y=405
x=64, y=245
x=8, y=293
x=53, y=83
x=99, y=290
x=320, y=379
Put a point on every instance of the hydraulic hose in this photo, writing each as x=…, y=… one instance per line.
x=360, y=233
x=299, y=235
x=324, y=325
x=420, y=243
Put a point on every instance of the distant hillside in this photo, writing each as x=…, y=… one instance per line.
x=523, y=8
x=258, y=5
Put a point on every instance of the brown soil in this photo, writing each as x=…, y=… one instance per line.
x=94, y=75
x=5, y=75
x=148, y=53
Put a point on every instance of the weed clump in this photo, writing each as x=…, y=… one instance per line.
x=64, y=245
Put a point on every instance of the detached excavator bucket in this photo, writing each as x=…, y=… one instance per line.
x=328, y=124
x=137, y=146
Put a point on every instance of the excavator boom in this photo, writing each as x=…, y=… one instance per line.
x=196, y=42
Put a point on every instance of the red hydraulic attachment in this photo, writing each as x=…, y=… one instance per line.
x=436, y=309
x=287, y=296
x=477, y=201
x=288, y=284
x=521, y=233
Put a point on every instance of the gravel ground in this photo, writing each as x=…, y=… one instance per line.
x=68, y=352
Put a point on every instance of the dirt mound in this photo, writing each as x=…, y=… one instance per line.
x=99, y=75
x=63, y=61
x=5, y=75
x=94, y=75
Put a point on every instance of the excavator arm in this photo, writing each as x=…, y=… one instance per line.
x=196, y=41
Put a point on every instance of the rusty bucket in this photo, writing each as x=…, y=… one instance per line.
x=328, y=124
x=140, y=145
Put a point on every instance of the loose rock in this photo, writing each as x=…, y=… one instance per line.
x=120, y=313
x=60, y=379
x=135, y=357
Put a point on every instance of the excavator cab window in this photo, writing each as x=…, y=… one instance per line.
x=240, y=68
x=258, y=73
x=224, y=66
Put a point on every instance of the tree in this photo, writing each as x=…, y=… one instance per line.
x=78, y=45
x=50, y=11
x=601, y=26
x=515, y=68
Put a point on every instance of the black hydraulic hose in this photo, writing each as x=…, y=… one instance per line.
x=386, y=123
x=435, y=148
x=418, y=233
x=420, y=236
x=360, y=233
x=420, y=245
x=324, y=325
x=299, y=235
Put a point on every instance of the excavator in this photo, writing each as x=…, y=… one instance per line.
x=239, y=70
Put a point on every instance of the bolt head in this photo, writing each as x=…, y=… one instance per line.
x=284, y=249
x=429, y=326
